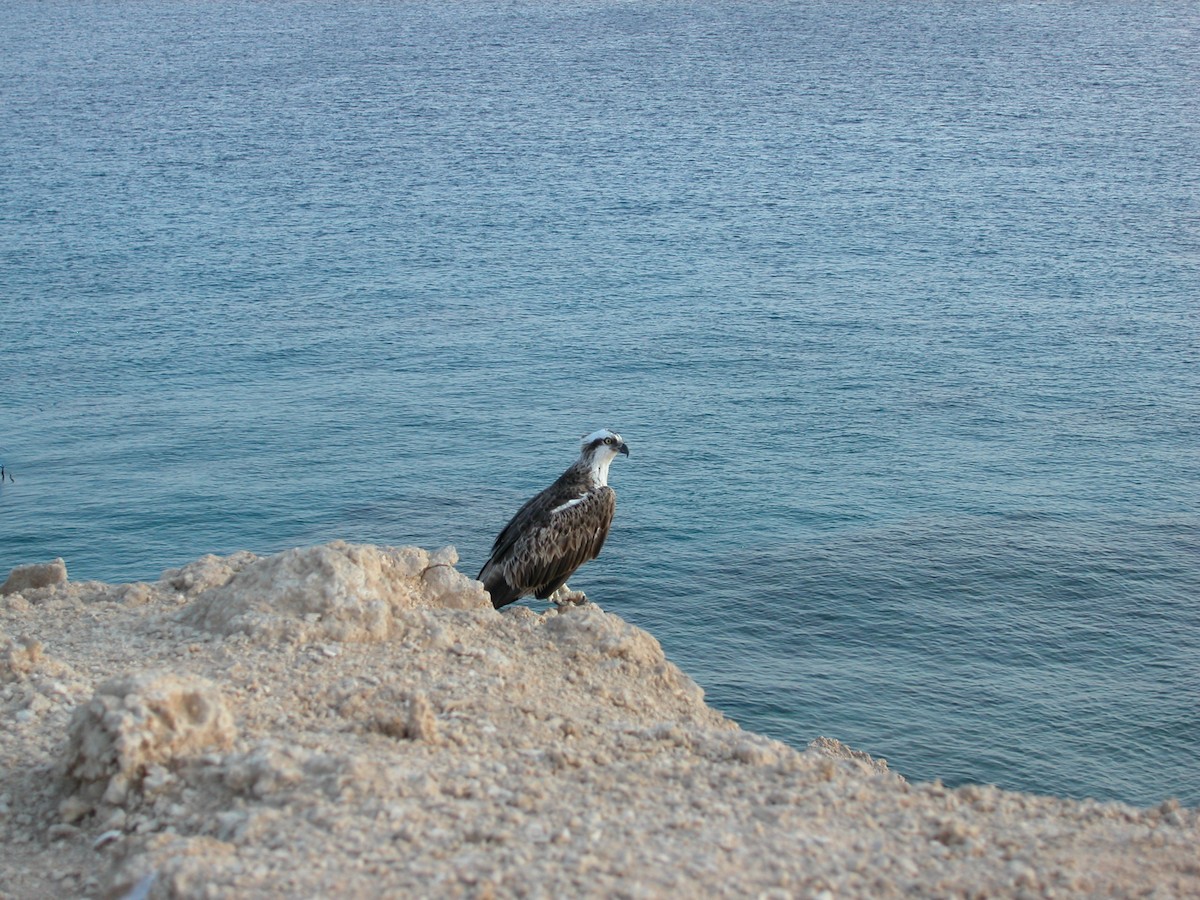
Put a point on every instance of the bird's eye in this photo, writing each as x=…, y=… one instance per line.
x=608, y=441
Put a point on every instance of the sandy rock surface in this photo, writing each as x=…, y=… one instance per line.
x=33, y=576
x=357, y=721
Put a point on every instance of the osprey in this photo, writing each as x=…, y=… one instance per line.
x=558, y=530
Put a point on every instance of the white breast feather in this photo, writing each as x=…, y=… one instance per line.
x=569, y=504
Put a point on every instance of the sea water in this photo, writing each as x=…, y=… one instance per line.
x=897, y=305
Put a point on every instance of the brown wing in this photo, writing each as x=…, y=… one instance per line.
x=545, y=555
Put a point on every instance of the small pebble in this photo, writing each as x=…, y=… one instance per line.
x=61, y=831
x=106, y=838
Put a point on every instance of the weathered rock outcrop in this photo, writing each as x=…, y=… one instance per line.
x=35, y=576
x=131, y=732
x=356, y=721
x=337, y=591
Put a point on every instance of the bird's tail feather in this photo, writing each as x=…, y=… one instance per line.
x=501, y=592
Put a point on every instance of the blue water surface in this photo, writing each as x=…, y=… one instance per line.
x=897, y=305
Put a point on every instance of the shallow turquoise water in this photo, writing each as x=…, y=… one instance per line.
x=896, y=305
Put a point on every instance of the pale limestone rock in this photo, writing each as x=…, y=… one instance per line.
x=267, y=769
x=206, y=573
x=835, y=749
x=593, y=640
x=336, y=592
x=169, y=865
x=476, y=754
x=18, y=657
x=137, y=594
x=590, y=631
x=422, y=724
x=23, y=658
x=132, y=723
x=34, y=576
x=394, y=713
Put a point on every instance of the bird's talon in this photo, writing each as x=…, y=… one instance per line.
x=564, y=596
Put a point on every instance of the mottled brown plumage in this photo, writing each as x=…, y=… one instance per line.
x=557, y=531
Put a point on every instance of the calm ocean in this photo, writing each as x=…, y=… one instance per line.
x=897, y=305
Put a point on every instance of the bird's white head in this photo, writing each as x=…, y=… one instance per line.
x=598, y=450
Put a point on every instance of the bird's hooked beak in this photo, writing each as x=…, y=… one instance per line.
x=624, y=448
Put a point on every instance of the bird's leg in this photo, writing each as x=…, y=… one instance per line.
x=564, y=596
